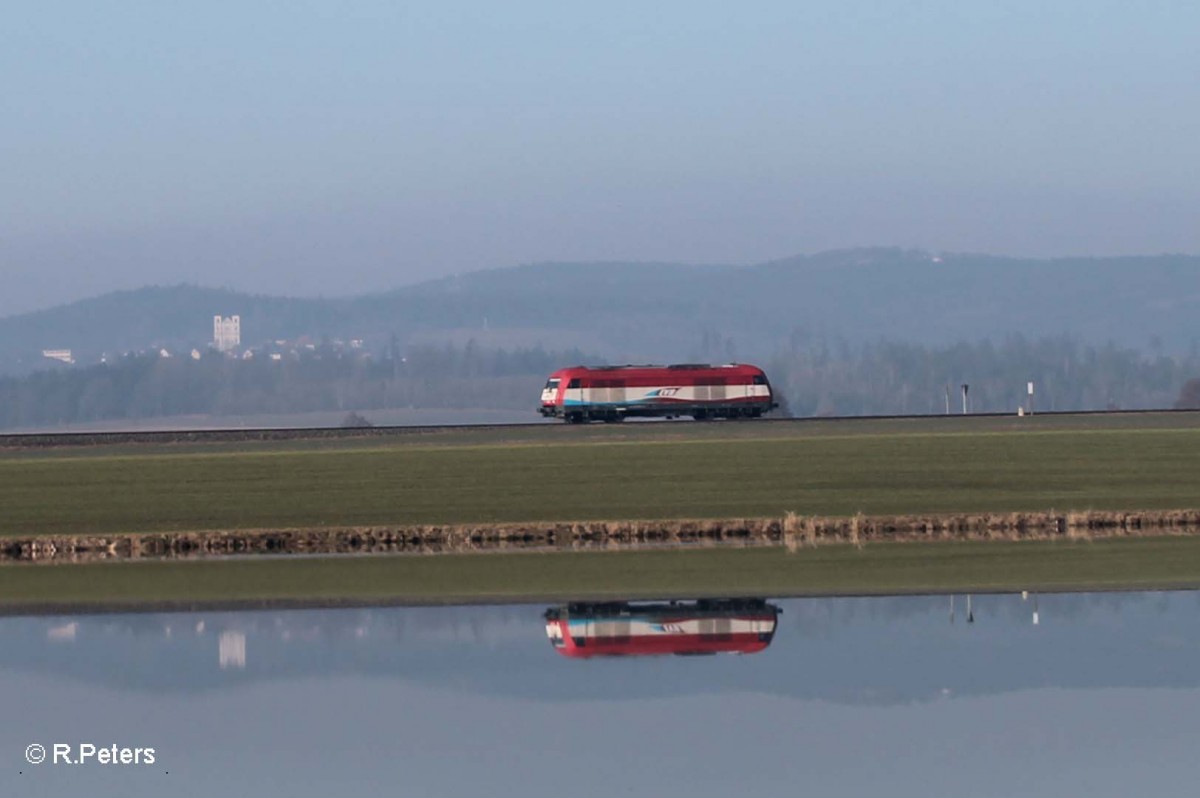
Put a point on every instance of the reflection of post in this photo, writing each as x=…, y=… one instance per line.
x=951, y=608
x=231, y=650
x=1025, y=597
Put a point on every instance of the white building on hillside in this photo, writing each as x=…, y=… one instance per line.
x=227, y=333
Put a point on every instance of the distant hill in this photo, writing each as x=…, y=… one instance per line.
x=175, y=317
x=663, y=311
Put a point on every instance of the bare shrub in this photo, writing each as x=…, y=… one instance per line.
x=355, y=420
x=855, y=525
x=791, y=531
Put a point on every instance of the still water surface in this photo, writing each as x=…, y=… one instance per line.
x=897, y=696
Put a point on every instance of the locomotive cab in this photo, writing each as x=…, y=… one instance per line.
x=554, y=631
x=550, y=392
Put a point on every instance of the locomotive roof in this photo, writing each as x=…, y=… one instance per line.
x=679, y=366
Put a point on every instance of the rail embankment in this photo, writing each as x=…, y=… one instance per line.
x=795, y=532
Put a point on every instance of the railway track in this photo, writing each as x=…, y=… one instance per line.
x=36, y=440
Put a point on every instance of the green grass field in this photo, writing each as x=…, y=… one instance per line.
x=634, y=471
x=769, y=573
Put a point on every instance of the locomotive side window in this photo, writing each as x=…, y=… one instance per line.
x=760, y=379
x=573, y=383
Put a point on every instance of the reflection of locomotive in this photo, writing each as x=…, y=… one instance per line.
x=737, y=626
x=614, y=393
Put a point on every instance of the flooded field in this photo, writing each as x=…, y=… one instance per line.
x=982, y=695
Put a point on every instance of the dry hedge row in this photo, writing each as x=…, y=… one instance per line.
x=793, y=531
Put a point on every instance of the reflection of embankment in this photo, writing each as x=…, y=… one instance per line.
x=793, y=531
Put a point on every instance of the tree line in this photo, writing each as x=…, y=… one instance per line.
x=814, y=377
x=821, y=377
x=147, y=385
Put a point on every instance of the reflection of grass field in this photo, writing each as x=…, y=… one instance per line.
x=887, y=568
x=636, y=471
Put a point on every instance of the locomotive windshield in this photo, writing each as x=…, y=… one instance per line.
x=551, y=385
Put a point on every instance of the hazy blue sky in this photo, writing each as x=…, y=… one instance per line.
x=339, y=147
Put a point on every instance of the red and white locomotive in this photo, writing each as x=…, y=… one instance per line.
x=614, y=393
x=722, y=626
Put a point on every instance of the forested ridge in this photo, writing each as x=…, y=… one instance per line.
x=655, y=310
